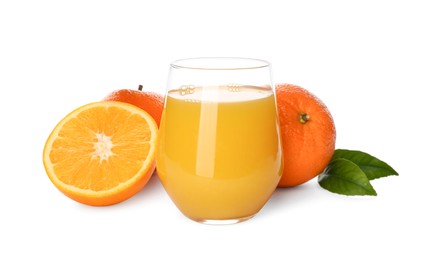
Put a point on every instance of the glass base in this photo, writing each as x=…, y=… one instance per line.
x=222, y=221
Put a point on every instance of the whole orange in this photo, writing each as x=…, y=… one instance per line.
x=308, y=134
x=151, y=102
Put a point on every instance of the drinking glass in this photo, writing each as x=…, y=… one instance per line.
x=219, y=156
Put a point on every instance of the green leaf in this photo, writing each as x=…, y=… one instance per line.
x=371, y=166
x=342, y=176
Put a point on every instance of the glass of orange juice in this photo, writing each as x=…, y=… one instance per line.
x=219, y=155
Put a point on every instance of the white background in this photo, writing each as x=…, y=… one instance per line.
x=373, y=63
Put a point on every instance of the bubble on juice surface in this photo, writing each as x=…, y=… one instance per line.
x=185, y=90
x=192, y=100
x=223, y=93
x=234, y=87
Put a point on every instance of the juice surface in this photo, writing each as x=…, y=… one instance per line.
x=219, y=153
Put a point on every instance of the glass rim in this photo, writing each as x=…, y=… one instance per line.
x=219, y=63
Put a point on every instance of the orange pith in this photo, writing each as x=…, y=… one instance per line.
x=101, y=153
x=307, y=132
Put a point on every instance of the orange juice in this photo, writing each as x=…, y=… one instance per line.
x=219, y=153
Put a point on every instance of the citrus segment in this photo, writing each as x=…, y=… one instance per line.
x=102, y=153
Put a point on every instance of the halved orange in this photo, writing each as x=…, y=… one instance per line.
x=102, y=153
